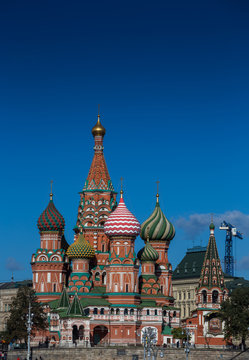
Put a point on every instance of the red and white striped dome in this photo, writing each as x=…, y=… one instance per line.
x=122, y=222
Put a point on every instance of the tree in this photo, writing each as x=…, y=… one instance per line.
x=16, y=324
x=180, y=333
x=235, y=313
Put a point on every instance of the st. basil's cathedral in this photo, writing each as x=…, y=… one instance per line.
x=98, y=291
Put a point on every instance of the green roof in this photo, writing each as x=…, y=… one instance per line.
x=191, y=264
x=166, y=330
x=64, y=299
x=93, y=302
x=75, y=308
x=238, y=282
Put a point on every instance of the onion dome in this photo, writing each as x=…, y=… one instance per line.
x=80, y=249
x=51, y=219
x=98, y=129
x=211, y=226
x=122, y=221
x=157, y=226
x=148, y=253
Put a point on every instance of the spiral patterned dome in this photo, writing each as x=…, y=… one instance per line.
x=80, y=249
x=148, y=253
x=122, y=222
x=51, y=219
x=157, y=226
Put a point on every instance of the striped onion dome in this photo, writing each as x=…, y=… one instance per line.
x=122, y=221
x=148, y=253
x=80, y=249
x=51, y=219
x=157, y=226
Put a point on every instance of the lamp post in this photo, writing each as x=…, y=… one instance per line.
x=187, y=349
x=149, y=343
x=29, y=324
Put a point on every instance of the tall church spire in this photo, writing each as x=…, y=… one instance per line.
x=98, y=177
x=212, y=274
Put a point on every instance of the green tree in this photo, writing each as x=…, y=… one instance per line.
x=180, y=333
x=16, y=324
x=235, y=314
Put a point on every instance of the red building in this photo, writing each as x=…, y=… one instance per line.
x=205, y=326
x=92, y=288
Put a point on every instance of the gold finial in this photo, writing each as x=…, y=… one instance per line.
x=157, y=195
x=51, y=194
x=121, y=191
x=98, y=129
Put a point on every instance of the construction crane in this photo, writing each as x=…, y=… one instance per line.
x=229, y=259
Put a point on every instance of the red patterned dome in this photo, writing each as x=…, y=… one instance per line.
x=51, y=219
x=122, y=222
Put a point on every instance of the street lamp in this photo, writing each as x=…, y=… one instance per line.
x=149, y=341
x=29, y=324
x=187, y=349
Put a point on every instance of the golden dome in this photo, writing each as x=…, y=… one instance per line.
x=98, y=129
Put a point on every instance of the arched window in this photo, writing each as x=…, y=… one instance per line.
x=204, y=296
x=164, y=313
x=97, y=276
x=117, y=311
x=148, y=312
x=102, y=311
x=155, y=312
x=125, y=311
x=95, y=311
x=174, y=314
x=104, y=278
x=103, y=247
x=112, y=311
x=215, y=296
x=86, y=311
x=132, y=312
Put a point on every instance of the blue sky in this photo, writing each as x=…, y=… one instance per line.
x=172, y=81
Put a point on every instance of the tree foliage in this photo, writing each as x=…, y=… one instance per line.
x=16, y=324
x=180, y=333
x=235, y=313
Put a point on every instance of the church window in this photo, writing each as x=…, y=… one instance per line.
x=204, y=296
x=164, y=313
x=112, y=311
x=102, y=311
x=125, y=311
x=86, y=311
x=184, y=295
x=104, y=278
x=155, y=312
x=174, y=314
x=180, y=296
x=148, y=312
x=95, y=311
x=132, y=312
x=103, y=247
x=161, y=289
x=215, y=296
x=117, y=311
x=189, y=295
x=127, y=288
x=54, y=288
x=184, y=312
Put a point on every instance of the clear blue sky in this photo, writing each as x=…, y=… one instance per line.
x=172, y=81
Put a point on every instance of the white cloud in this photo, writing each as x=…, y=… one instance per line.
x=13, y=265
x=194, y=224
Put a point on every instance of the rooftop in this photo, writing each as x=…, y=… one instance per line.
x=191, y=264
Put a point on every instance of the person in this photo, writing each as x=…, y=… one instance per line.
x=18, y=358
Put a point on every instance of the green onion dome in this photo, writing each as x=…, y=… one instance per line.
x=157, y=226
x=80, y=249
x=51, y=219
x=148, y=253
x=211, y=226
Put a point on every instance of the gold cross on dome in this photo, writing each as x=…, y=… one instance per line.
x=157, y=185
x=121, y=179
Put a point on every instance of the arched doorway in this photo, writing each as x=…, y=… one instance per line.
x=100, y=335
x=81, y=332
x=75, y=333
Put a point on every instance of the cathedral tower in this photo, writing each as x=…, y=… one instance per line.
x=159, y=230
x=50, y=263
x=97, y=201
